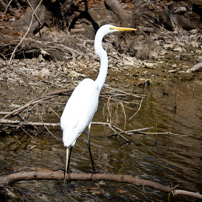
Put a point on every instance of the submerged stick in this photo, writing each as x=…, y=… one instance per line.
x=140, y=105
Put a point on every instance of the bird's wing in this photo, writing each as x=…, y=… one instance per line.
x=79, y=110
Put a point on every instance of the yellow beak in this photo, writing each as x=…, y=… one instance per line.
x=124, y=29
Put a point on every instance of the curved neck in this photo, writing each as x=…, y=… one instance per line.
x=103, y=61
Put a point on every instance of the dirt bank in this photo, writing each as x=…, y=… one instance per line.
x=159, y=59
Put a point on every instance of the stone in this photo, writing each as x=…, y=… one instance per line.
x=128, y=61
x=172, y=71
x=149, y=65
x=44, y=72
x=40, y=58
x=179, y=49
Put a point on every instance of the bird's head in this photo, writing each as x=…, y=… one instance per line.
x=104, y=30
x=107, y=29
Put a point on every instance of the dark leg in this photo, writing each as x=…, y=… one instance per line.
x=70, y=152
x=89, y=148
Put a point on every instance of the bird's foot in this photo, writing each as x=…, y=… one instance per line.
x=69, y=178
x=94, y=172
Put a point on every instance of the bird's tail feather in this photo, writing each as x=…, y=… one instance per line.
x=69, y=139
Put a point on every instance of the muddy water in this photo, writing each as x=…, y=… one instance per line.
x=170, y=154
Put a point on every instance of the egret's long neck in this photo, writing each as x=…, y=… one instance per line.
x=103, y=61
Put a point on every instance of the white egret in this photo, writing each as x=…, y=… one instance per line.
x=83, y=103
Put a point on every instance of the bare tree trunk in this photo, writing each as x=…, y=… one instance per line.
x=137, y=12
x=117, y=8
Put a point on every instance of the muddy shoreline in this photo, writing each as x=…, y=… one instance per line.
x=172, y=57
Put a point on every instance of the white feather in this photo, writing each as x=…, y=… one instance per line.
x=79, y=111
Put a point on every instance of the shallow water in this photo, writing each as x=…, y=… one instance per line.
x=169, y=155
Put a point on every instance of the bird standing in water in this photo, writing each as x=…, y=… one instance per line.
x=83, y=103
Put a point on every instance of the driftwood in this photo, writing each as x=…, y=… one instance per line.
x=118, y=9
x=5, y=180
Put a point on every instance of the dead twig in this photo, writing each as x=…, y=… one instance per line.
x=108, y=108
x=137, y=110
x=138, y=130
x=54, y=112
x=163, y=133
x=115, y=99
x=121, y=91
x=13, y=53
x=51, y=133
x=33, y=11
x=22, y=123
x=7, y=6
x=4, y=113
x=112, y=128
x=121, y=103
x=26, y=132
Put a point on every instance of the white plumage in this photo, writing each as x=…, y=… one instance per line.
x=81, y=107
x=83, y=103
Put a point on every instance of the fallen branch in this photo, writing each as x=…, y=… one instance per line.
x=5, y=180
x=139, y=130
x=126, y=93
x=24, y=123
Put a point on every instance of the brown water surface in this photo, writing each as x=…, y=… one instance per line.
x=170, y=154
